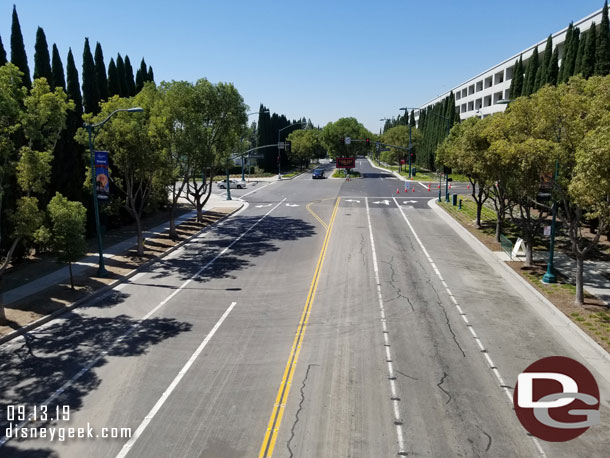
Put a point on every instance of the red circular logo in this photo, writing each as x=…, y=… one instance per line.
x=556, y=399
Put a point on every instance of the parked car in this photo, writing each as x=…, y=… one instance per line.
x=317, y=173
x=232, y=183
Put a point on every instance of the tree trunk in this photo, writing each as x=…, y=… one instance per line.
x=172, y=224
x=71, y=278
x=140, y=236
x=2, y=314
x=479, y=210
x=529, y=253
x=199, y=212
x=498, y=229
x=580, y=295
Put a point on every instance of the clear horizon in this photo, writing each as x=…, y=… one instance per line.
x=323, y=61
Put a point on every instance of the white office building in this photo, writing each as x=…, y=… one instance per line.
x=479, y=96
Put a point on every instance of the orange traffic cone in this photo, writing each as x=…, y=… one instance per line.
x=397, y=191
x=439, y=186
x=413, y=188
x=449, y=185
x=428, y=187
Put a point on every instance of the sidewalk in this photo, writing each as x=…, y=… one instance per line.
x=62, y=273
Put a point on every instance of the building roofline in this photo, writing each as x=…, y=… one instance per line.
x=514, y=57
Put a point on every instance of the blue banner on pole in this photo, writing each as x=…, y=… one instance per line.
x=102, y=182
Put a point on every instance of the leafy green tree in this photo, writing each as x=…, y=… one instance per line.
x=2, y=54
x=42, y=61
x=18, y=55
x=120, y=68
x=602, y=49
x=306, y=145
x=332, y=134
x=465, y=150
x=58, y=78
x=399, y=136
x=588, y=61
x=91, y=97
x=68, y=221
x=131, y=85
x=100, y=73
x=114, y=86
x=40, y=117
x=137, y=163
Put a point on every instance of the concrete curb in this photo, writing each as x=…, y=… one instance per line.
x=555, y=317
x=396, y=174
x=100, y=292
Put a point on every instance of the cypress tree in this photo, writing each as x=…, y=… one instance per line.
x=526, y=89
x=131, y=85
x=2, y=53
x=553, y=71
x=72, y=82
x=570, y=63
x=546, y=62
x=120, y=68
x=580, y=53
x=100, y=73
x=114, y=87
x=602, y=51
x=141, y=76
x=151, y=75
x=588, y=61
x=516, y=85
x=534, y=69
x=412, y=119
x=57, y=70
x=90, y=95
x=42, y=61
x=18, y=55
x=566, y=46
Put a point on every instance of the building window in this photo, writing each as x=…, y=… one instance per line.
x=509, y=73
x=463, y=108
x=497, y=96
x=470, y=106
x=499, y=78
x=464, y=93
x=479, y=86
x=507, y=94
x=487, y=101
x=458, y=95
x=478, y=103
x=488, y=82
x=471, y=89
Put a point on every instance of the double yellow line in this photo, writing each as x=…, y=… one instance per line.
x=277, y=413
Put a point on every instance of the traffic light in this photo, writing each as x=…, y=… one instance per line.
x=342, y=141
x=412, y=157
x=368, y=142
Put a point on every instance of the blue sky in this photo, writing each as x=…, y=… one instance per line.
x=321, y=60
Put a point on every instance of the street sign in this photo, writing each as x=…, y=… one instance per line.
x=348, y=140
x=281, y=145
x=384, y=149
x=346, y=162
x=547, y=231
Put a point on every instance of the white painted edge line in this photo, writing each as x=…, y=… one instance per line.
x=137, y=325
x=172, y=386
x=555, y=313
x=469, y=326
x=257, y=189
x=391, y=376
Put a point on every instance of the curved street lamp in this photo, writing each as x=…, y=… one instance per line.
x=101, y=270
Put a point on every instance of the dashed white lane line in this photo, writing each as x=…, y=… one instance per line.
x=135, y=327
x=490, y=362
x=166, y=394
x=391, y=376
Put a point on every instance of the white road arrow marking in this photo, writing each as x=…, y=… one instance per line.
x=352, y=200
x=263, y=206
x=409, y=202
x=386, y=202
x=292, y=205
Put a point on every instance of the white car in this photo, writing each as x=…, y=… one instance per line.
x=232, y=183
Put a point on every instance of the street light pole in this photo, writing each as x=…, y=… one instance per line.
x=279, y=170
x=406, y=109
x=549, y=276
x=101, y=270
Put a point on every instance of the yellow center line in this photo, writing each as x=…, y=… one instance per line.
x=308, y=207
x=277, y=413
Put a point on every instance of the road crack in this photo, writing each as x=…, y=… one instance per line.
x=296, y=417
x=442, y=307
x=439, y=384
x=488, y=437
x=392, y=283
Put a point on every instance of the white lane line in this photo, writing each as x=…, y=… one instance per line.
x=394, y=396
x=491, y=364
x=134, y=327
x=257, y=189
x=172, y=386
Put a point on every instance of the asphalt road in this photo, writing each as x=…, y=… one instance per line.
x=321, y=321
